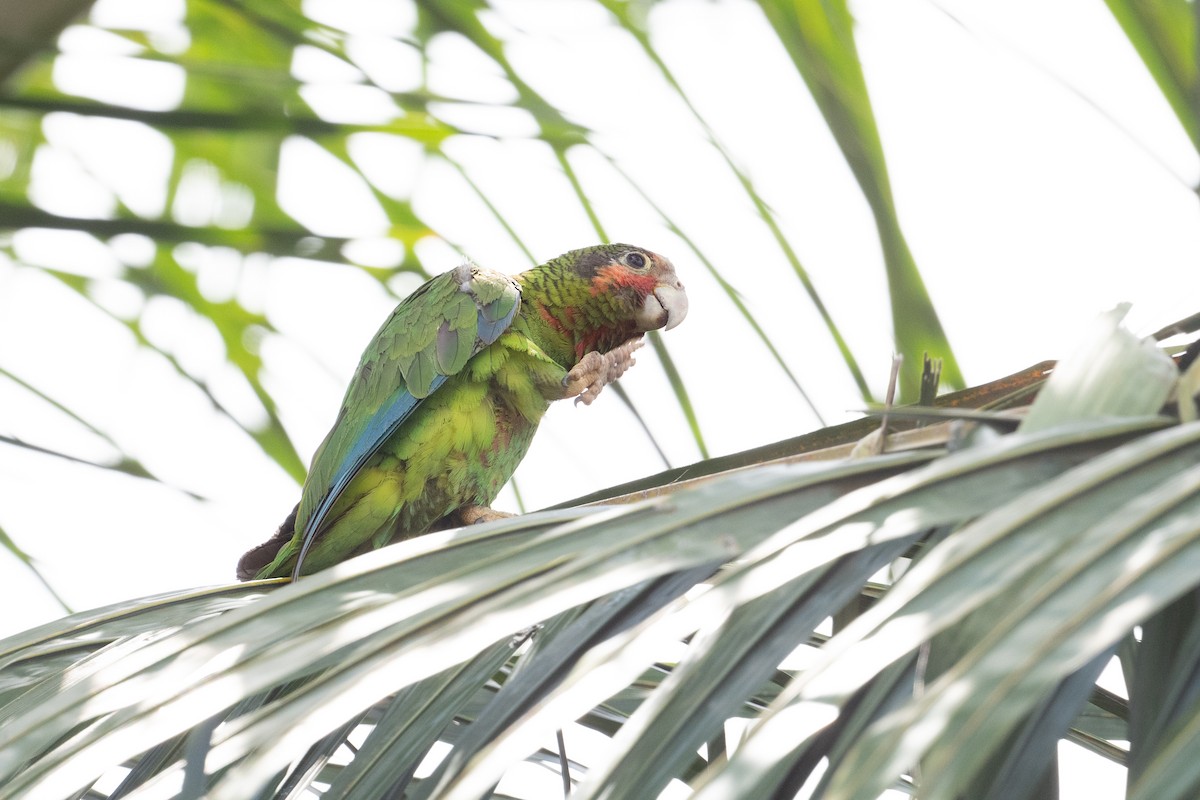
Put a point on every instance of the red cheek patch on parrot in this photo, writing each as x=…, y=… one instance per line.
x=613, y=276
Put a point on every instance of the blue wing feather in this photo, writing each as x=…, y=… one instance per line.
x=490, y=325
x=378, y=429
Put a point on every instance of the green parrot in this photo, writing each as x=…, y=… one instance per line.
x=448, y=395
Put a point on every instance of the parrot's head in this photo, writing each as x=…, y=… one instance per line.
x=600, y=297
x=640, y=285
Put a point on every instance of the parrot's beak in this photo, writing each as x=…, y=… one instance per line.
x=667, y=305
x=674, y=302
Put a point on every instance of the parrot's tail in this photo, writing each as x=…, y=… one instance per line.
x=255, y=559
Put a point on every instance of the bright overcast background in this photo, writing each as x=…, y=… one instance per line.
x=1040, y=178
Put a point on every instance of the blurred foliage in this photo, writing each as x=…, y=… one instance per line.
x=242, y=102
x=1164, y=34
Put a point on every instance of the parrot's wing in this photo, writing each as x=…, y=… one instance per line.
x=430, y=336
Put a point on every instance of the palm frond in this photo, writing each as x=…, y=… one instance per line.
x=1026, y=560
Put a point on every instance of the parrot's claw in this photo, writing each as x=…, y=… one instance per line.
x=473, y=515
x=596, y=370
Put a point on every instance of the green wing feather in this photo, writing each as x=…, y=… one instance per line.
x=430, y=336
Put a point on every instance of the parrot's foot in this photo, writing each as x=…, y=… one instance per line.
x=597, y=370
x=473, y=515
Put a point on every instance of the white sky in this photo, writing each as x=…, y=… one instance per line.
x=1040, y=178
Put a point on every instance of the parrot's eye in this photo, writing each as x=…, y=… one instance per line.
x=635, y=260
